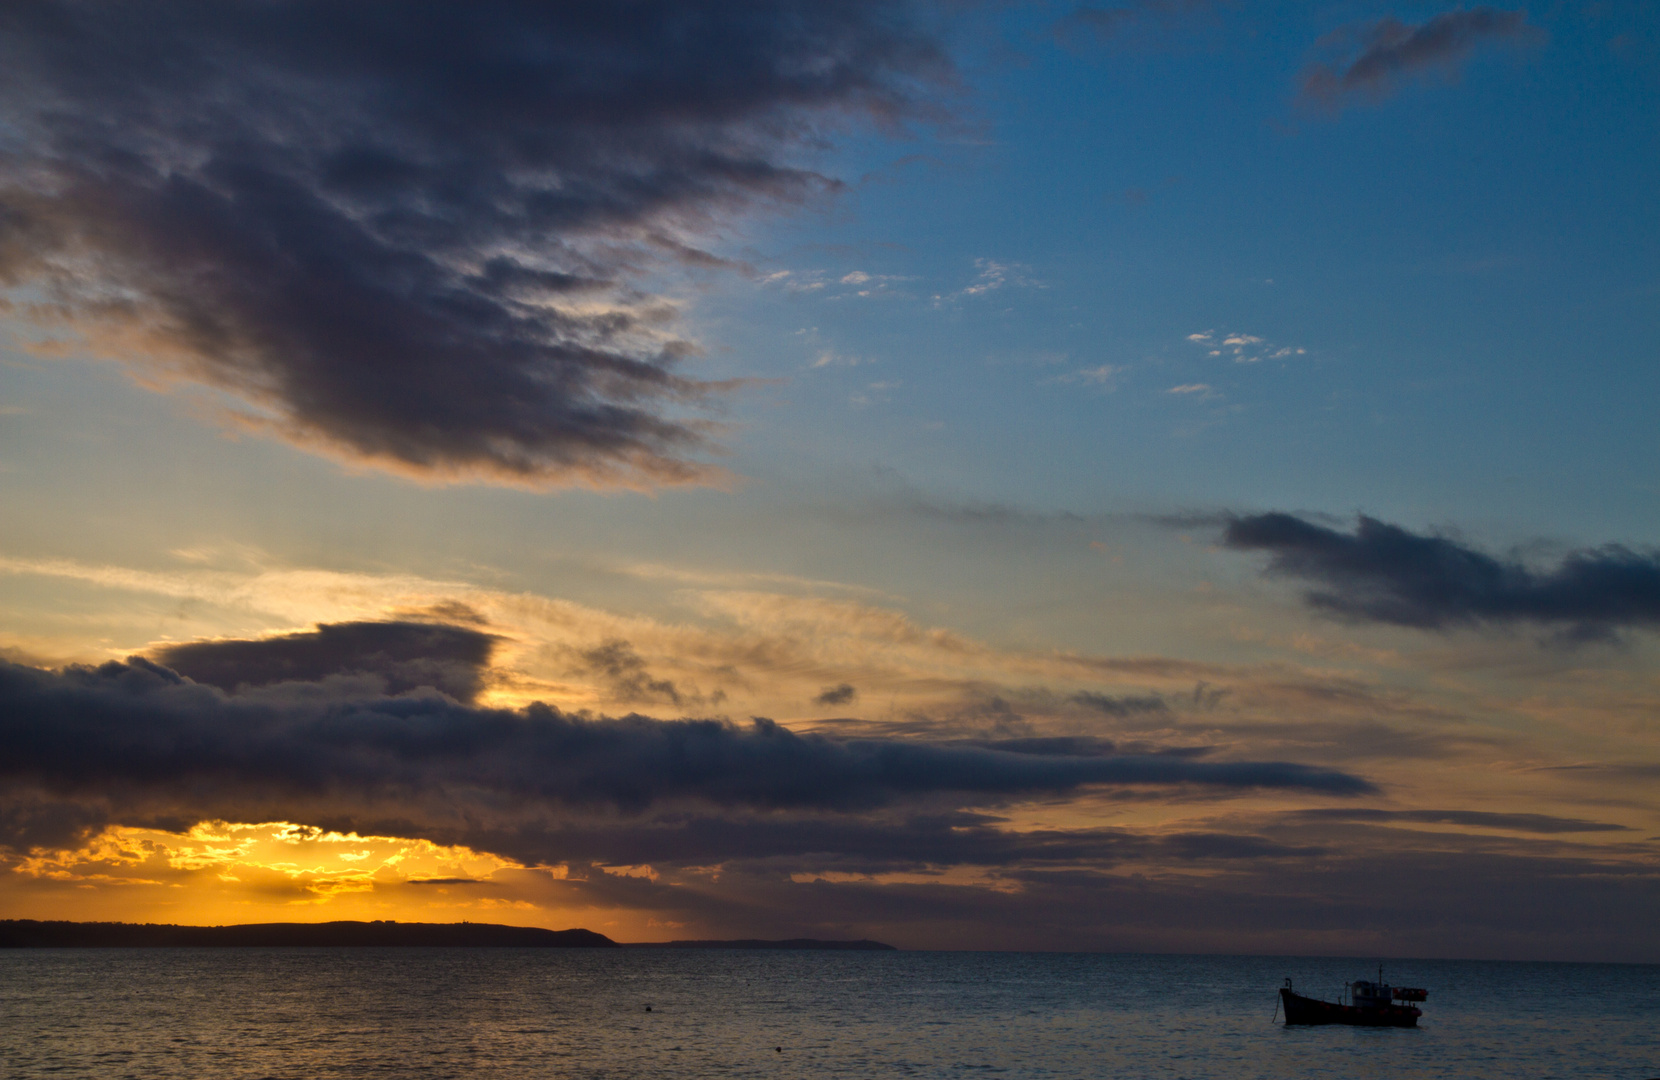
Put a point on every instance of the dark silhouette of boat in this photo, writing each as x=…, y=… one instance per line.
x=1370, y=1004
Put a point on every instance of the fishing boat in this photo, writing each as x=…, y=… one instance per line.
x=1369, y=1004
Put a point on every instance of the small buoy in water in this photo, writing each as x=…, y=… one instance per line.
x=648, y=1008
x=780, y=1049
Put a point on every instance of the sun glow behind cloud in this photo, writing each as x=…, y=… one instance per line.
x=1468, y=764
x=1023, y=623
x=221, y=872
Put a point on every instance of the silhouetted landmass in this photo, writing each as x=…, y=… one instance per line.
x=755, y=943
x=28, y=933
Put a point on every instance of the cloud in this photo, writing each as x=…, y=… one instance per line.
x=858, y=283
x=1188, y=865
x=445, y=881
x=926, y=879
x=413, y=236
x=867, y=285
x=832, y=358
x=1067, y=745
x=1242, y=348
x=628, y=680
x=1480, y=819
x=1383, y=54
x=1105, y=376
x=1282, y=901
x=770, y=641
x=1601, y=772
x=818, y=845
x=149, y=746
x=403, y=655
x=993, y=276
x=840, y=694
x=809, y=836
x=1384, y=573
x=1302, y=891
x=1128, y=705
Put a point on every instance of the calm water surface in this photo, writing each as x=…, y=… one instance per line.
x=509, y=1013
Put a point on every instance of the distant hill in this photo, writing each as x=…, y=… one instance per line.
x=29, y=933
x=755, y=943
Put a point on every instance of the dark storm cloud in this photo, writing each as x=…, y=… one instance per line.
x=840, y=694
x=405, y=232
x=405, y=655
x=1382, y=54
x=140, y=739
x=795, y=844
x=1384, y=573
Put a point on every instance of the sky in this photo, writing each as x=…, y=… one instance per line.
x=1169, y=477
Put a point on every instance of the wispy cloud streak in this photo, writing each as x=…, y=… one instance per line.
x=1381, y=55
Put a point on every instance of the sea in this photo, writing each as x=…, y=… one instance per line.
x=637, y=1013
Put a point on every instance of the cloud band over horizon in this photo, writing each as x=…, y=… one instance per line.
x=137, y=743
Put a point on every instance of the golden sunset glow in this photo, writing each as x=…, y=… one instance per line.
x=1163, y=476
x=250, y=873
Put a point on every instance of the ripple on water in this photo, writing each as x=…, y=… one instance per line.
x=508, y=1013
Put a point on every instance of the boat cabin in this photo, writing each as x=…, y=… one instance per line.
x=1365, y=994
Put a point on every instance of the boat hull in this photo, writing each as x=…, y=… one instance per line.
x=1305, y=1010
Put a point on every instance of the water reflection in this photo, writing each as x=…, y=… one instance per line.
x=579, y=1013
